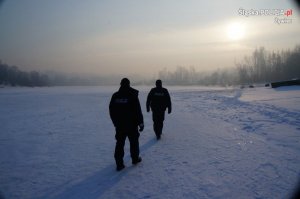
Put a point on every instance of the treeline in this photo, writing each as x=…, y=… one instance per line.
x=265, y=66
x=261, y=67
x=13, y=76
x=189, y=76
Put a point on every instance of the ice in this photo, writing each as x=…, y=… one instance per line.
x=58, y=143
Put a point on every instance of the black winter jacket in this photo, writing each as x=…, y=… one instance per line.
x=125, y=109
x=159, y=99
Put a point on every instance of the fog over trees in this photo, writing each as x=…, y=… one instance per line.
x=265, y=66
x=11, y=75
x=261, y=66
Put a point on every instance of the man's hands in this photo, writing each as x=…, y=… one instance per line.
x=141, y=127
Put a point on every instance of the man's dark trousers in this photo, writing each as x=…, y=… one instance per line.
x=158, y=118
x=133, y=136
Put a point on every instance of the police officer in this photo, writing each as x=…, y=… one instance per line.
x=126, y=115
x=159, y=100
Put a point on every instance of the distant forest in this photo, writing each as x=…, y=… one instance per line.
x=11, y=75
x=260, y=67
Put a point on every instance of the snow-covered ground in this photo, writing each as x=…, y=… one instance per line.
x=58, y=143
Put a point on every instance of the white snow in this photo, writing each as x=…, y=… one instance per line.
x=58, y=143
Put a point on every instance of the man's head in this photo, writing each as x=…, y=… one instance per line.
x=125, y=82
x=158, y=83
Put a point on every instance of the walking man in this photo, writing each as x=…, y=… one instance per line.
x=126, y=115
x=159, y=100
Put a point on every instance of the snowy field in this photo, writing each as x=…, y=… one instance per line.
x=58, y=143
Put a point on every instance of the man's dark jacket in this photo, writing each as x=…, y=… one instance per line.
x=159, y=99
x=125, y=109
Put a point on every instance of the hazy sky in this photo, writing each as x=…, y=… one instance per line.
x=138, y=36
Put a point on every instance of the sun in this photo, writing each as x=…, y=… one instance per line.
x=235, y=31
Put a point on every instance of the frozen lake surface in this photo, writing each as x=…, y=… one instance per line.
x=58, y=143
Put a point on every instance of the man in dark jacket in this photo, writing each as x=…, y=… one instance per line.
x=126, y=115
x=159, y=100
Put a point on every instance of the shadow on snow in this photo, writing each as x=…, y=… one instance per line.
x=97, y=184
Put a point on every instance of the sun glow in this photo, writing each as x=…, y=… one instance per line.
x=235, y=31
